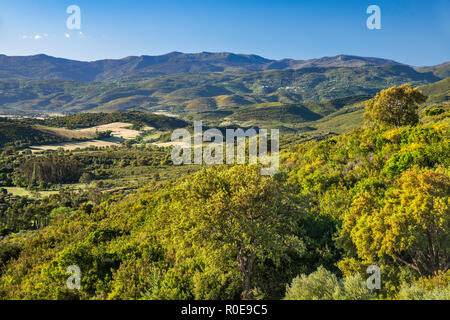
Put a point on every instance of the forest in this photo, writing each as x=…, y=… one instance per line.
x=377, y=195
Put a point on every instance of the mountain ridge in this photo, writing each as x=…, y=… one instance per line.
x=197, y=82
x=45, y=67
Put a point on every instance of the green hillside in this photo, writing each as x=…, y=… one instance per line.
x=437, y=92
x=21, y=135
x=279, y=114
x=369, y=196
x=442, y=70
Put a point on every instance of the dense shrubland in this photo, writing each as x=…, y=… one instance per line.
x=54, y=168
x=378, y=195
x=18, y=214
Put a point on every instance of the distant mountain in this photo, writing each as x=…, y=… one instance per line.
x=343, y=61
x=43, y=67
x=212, y=91
x=198, y=82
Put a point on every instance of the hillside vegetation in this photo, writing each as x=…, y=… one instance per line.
x=23, y=135
x=377, y=195
x=438, y=91
x=205, y=91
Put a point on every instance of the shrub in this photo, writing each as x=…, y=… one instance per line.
x=324, y=285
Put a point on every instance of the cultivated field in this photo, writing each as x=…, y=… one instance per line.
x=119, y=132
x=74, y=145
x=22, y=192
x=119, y=129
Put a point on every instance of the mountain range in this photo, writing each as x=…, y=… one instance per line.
x=39, y=67
x=201, y=82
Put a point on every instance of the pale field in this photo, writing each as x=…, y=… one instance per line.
x=119, y=129
x=27, y=193
x=171, y=144
x=74, y=145
x=166, y=113
x=67, y=133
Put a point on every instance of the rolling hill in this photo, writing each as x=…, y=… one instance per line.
x=438, y=91
x=441, y=70
x=183, y=93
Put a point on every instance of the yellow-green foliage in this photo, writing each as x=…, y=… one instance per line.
x=431, y=288
x=207, y=236
x=411, y=223
x=324, y=285
x=395, y=106
x=371, y=196
x=388, y=193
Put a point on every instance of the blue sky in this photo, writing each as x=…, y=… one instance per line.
x=413, y=32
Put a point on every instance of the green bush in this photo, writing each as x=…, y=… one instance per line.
x=418, y=292
x=434, y=111
x=436, y=287
x=324, y=285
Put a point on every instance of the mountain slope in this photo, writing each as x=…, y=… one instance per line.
x=438, y=91
x=41, y=66
x=202, y=92
x=441, y=70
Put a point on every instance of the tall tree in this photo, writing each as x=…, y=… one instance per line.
x=231, y=219
x=396, y=106
x=411, y=225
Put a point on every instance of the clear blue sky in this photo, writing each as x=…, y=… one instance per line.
x=414, y=32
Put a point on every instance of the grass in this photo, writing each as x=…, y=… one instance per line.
x=119, y=129
x=22, y=192
x=339, y=122
x=66, y=133
x=119, y=132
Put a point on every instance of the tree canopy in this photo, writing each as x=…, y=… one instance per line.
x=396, y=106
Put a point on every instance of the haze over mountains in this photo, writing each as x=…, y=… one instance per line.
x=41, y=66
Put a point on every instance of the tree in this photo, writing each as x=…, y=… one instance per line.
x=103, y=134
x=411, y=224
x=86, y=178
x=396, y=106
x=50, y=169
x=227, y=221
